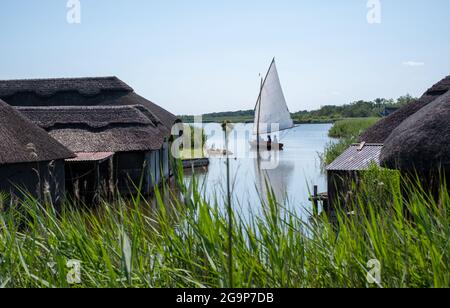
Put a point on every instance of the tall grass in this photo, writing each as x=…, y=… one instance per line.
x=351, y=127
x=181, y=240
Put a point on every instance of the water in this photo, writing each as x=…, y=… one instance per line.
x=298, y=168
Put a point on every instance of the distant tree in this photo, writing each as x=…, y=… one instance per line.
x=405, y=100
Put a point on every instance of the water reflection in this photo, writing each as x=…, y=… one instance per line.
x=277, y=180
x=297, y=168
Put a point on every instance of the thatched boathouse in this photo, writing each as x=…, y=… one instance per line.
x=346, y=171
x=415, y=140
x=384, y=128
x=420, y=146
x=97, y=91
x=116, y=146
x=31, y=162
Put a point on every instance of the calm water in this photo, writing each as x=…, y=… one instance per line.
x=297, y=167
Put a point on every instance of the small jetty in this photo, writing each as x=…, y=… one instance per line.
x=318, y=198
x=196, y=163
x=218, y=152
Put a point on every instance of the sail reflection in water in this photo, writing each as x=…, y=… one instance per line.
x=275, y=180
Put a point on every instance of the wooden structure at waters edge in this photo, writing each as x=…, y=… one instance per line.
x=414, y=139
x=388, y=111
x=381, y=131
x=92, y=91
x=116, y=146
x=420, y=146
x=346, y=170
x=195, y=163
x=31, y=162
x=121, y=139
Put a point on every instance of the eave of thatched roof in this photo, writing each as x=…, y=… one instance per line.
x=24, y=142
x=90, y=116
x=422, y=142
x=382, y=130
x=98, y=128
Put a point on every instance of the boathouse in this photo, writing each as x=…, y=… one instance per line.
x=31, y=162
x=413, y=139
x=346, y=171
x=93, y=91
x=96, y=91
x=116, y=147
x=388, y=111
x=385, y=127
x=420, y=146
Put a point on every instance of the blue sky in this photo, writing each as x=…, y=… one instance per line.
x=201, y=56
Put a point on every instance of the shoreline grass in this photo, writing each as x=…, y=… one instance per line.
x=182, y=241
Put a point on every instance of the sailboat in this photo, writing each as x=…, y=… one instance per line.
x=271, y=112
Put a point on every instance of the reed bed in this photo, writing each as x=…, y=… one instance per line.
x=181, y=240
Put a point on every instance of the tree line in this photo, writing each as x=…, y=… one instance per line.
x=358, y=109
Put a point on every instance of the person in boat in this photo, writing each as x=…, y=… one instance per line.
x=269, y=142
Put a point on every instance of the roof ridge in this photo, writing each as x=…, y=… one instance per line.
x=61, y=78
x=87, y=86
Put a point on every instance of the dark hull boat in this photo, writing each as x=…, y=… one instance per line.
x=264, y=145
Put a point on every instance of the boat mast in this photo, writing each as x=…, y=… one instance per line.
x=259, y=116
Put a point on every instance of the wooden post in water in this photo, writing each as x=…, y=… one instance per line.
x=316, y=201
x=225, y=127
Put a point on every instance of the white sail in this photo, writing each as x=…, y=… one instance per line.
x=271, y=111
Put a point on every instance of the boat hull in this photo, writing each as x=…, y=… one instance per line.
x=263, y=145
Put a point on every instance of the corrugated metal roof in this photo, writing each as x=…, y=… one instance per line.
x=357, y=157
x=91, y=157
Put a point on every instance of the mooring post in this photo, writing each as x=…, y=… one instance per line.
x=316, y=201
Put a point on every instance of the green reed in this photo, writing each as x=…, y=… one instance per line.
x=180, y=239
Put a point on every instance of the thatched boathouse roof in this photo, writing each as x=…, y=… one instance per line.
x=50, y=87
x=24, y=142
x=422, y=142
x=98, y=91
x=381, y=131
x=98, y=128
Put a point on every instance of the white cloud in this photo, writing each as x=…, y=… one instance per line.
x=336, y=93
x=413, y=63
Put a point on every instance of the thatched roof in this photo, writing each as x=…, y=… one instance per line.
x=24, y=142
x=49, y=87
x=98, y=128
x=102, y=91
x=381, y=131
x=422, y=142
x=165, y=117
x=91, y=116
